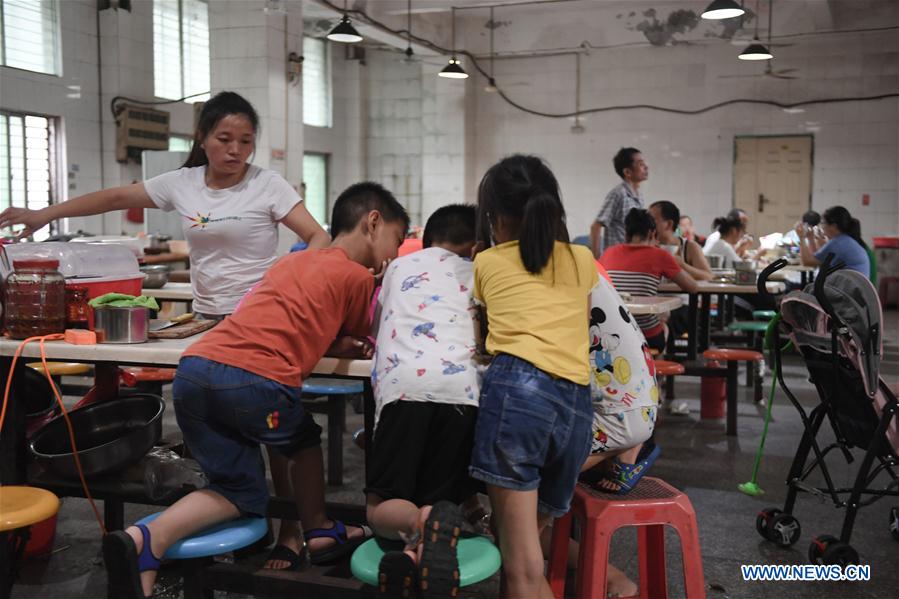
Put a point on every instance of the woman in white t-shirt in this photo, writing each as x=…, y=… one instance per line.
x=730, y=231
x=230, y=208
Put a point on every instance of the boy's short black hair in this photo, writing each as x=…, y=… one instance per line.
x=358, y=200
x=454, y=224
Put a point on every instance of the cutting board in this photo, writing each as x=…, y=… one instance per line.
x=180, y=331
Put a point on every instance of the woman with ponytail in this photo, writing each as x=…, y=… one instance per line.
x=535, y=419
x=230, y=208
x=841, y=239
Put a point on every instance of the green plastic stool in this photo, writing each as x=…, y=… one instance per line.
x=749, y=326
x=763, y=314
x=478, y=559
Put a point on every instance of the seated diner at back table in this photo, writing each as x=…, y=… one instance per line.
x=637, y=267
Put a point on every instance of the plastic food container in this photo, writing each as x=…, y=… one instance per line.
x=100, y=267
x=35, y=299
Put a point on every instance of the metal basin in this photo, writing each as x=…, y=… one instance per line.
x=157, y=275
x=121, y=325
x=110, y=436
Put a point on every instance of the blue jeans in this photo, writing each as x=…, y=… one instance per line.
x=533, y=432
x=224, y=413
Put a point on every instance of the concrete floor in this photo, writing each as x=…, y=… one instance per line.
x=696, y=457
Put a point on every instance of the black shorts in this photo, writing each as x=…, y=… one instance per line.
x=421, y=453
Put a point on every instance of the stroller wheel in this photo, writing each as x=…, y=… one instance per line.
x=817, y=547
x=840, y=554
x=784, y=530
x=894, y=523
x=763, y=519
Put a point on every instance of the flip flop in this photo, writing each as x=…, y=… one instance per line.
x=285, y=554
x=344, y=544
x=397, y=575
x=438, y=572
x=628, y=475
x=122, y=570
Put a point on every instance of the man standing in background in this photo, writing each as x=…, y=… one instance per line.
x=633, y=170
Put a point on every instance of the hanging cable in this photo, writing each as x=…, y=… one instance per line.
x=433, y=46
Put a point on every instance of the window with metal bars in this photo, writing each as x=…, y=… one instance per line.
x=181, y=49
x=316, y=83
x=30, y=35
x=28, y=164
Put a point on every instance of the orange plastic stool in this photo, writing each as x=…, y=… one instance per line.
x=668, y=368
x=733, y=357
x=650, y=506
x=147, y=377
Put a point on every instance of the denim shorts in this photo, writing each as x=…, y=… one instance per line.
x=533, y=432
x=225, y=413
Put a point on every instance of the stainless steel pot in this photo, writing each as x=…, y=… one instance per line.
x=121, y=325
x=715, y=261
x=157, y=275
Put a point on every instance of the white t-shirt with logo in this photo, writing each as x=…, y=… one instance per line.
x=233, y=232
x=425, y=324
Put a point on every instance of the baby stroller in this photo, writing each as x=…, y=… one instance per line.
x=835, y=325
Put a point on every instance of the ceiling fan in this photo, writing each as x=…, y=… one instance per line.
x=768, y=72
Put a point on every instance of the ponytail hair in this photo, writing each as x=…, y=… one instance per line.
x=214, y=110
x=524, y=192
x=843, y=220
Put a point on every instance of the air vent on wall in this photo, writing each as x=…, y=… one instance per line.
x=139, y=128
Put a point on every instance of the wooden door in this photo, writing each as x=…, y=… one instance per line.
x=773, y=181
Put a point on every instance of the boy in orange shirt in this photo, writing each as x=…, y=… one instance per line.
x=240, y=386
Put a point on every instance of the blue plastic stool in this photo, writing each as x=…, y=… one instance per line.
x=335, y=393
x=479, y=559
x=196, y=551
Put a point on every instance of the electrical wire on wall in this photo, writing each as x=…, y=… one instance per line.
x=579, y=113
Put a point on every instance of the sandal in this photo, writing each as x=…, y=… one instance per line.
x=344, y=544
x=397, y=575
x=628, y=475
x=438, y=572
x=124, y=564
x=283, y=553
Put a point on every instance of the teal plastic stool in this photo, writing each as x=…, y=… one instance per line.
x=749, y=326
x=763, y=314
x=216, y=540
x=478, y=559
x=196, y=551
x=335, y=393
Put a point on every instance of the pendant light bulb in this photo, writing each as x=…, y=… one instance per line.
x=722, y=9
x=491, y=86
x=756, y=51
x=453, y=70
x=344, y=32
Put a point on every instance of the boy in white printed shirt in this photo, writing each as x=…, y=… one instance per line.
x=426, y=385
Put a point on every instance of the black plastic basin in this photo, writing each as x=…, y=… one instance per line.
x=110, y=436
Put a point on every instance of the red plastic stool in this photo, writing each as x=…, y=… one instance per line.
x=733, y=357
x=650, y=506
x=151, y=379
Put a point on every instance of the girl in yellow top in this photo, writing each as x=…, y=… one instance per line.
x=534, y=425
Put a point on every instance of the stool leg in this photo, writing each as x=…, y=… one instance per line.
x=653, y=573
x=113, y=514
x=593, y=560
x=336, y=417
x=669, y=388
x=558, y=555
x=750, y=372
x=684, y=522
x=732, y=398
x=192, y=572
